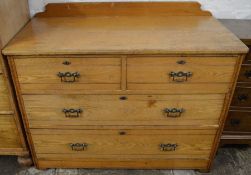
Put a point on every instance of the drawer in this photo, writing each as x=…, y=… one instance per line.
x=4, y=98
x=245, y=73
x=8, y=132
x=242, y=97
x=158, y=70
x=127, y=144
x=73, y=73
x=166, y=72
x=77, y=110
x=238, y=121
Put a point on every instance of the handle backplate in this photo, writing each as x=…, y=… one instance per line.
x=68, y=77
x=72, y=113
x=174, y=112
x=180, y=76
x=168, y=147
x=78, y=146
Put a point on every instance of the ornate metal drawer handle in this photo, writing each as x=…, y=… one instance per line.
x=180, y=76
x=243, y=97
x=72, y=113
x=248, y=74
x=78, y=146
x=174, y=112
x=68, y=76
x=168, y=147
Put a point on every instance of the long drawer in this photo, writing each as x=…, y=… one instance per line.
x=238, y=121
x=122, y=144
x=9, y=137
x=177, y=71
x=64, y=110
x=73, y=73
x=4, y=98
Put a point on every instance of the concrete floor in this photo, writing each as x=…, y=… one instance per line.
x=229, y=161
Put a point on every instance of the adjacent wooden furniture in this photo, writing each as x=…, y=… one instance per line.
x=13, y=16
x=124, y=85
x=238, y=125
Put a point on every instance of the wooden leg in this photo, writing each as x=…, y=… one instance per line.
x=25, y=161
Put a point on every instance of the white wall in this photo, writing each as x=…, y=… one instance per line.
x=232, y=9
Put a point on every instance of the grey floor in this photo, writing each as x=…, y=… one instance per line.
x=229, y=161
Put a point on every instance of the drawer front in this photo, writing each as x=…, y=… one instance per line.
x=239, y=121
x=181, y=70
x=126, y=143
x=8, y=132
x=245, y=74
x=4, y=98
x=61, y=110
x=75, y=72
x=242, y=97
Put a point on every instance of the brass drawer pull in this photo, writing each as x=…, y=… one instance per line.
x=72, y=113
x=68, y=76
x=180, y=76
x=243, y=97
x=173, y=112
x=248, y=74
x=168, y=147
x=78, y=146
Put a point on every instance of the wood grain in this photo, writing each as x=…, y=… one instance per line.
x=9, y=135
x=91, y=70
x=14, y=14
x=125, y=35
x=5, y=101
x=108, y=143
x=145, y=43
x=46, y=110
x=203, y=69
x=123, y=9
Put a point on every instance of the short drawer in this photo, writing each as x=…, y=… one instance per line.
x=78, y=110
x=144, y=143
x=4, y=98
x=60, y=73
x=245, y=73
x=160, y=69
x=238, y=121
x=242, y=97
x=8, y=132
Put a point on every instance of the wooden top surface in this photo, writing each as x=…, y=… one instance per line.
x=241, y=28
x=129, y=33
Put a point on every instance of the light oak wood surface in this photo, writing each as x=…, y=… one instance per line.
x=91, y=70
x=125, y=35
x=46, y=111
x=5, y=101
x=9, y=133
x=135, y=56
x=132, y=144
x=123, y=9
x=14, y=14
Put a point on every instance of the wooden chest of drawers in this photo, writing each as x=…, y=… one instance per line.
x=112, y=94
x=238, y=125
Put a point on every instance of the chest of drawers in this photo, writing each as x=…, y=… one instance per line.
x=109, y=90
x=238, y=125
